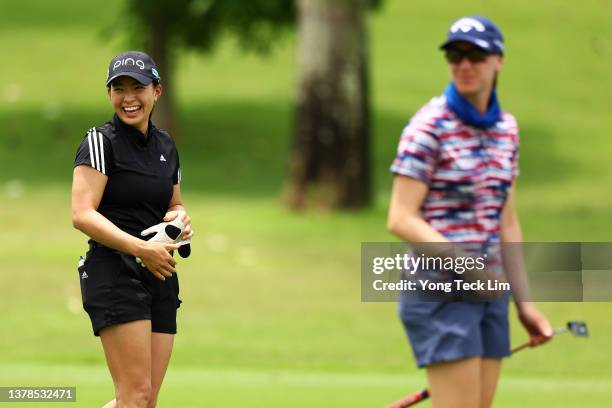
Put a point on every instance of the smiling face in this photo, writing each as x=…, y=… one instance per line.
x=133, y=101
x=472, y=70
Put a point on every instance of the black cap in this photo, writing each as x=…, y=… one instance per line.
x=134, y=64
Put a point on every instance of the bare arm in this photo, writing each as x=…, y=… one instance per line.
x=512, y=252
x=87, y=189
x=405, y=219
x=509, y=224
x=177, y=209
x=534, y=322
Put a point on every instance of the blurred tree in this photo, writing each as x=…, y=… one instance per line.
x=329, y=163
x=168, y=25
x=329, y=160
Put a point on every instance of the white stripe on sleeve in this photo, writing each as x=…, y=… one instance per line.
x=91, y=155
x=102, y=153
x=95, y=143
x=179, y=175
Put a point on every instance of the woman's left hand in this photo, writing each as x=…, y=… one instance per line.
x=185, y=219
x=535, y=323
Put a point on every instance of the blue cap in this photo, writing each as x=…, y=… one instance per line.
x=476, y=30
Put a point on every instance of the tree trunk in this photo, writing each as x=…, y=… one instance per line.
x=329, y=161
x=163, y=115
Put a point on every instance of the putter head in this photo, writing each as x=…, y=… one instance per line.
x=578, y=328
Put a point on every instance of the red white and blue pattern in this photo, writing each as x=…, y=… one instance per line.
x=469, y=170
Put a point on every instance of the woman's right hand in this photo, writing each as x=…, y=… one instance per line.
x=155, y=256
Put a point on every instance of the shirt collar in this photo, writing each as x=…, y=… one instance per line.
x=132, y=132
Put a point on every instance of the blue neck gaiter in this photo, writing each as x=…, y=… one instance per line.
x=468, y=113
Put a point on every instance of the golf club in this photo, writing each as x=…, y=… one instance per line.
x=577, y=328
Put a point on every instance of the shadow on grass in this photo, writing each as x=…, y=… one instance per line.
x=227, y=147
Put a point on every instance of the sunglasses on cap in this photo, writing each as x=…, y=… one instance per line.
x=455, y=55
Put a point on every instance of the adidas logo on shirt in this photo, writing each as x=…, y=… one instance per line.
x=162, y=158
x=84, y=275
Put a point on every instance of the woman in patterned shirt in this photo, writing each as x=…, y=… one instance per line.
x=454, y=182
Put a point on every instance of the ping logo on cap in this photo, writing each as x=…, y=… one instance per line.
x=128, y=61
x=135, y=64
x=466, y=24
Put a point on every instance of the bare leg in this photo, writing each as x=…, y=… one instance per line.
x=161, y=349
x=489, y=374
x=127, y=347
x=455, y=384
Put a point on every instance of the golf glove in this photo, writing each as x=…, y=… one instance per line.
x=168, y=233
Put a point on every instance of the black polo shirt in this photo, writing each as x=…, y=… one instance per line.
x=141, y=172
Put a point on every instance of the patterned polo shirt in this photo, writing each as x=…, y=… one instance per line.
x=469, y=170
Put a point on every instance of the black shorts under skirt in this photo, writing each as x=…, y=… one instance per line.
x=115, y=289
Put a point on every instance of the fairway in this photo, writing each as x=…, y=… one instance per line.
x=192, y=388
x=272, y=315
x=236, y=344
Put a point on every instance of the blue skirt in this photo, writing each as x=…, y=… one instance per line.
x=447, y=331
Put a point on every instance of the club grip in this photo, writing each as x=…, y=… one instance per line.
x=411, y=399
x=521, y=347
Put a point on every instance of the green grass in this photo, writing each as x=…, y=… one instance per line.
x=191, y=387
x=272, y=310
x=259, y=315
